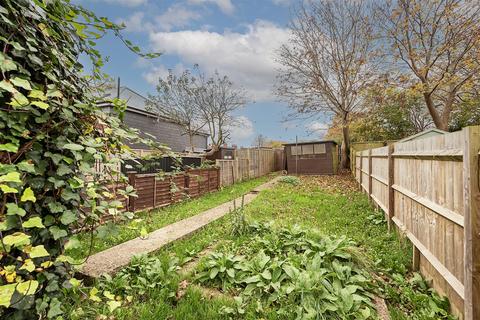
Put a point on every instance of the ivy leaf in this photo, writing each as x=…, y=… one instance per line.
x=10, y=147
x=57, y=233
x=40, y=104
x=56, y=207
x=7, y=86
x=28, y=265
x=108, y=295
x=6, y=64
x=37, y=94
x=73, y=146
x=28, y=287
x=26, y=167
x=17, y=239
x=22, y=83
x=35, y=222
x=7, y=189
x=18, y=100
x=28, y=195
x=11, y=177
x=112, y=305
x=93, y=295
x=53, y=93
x=55, y=308
x=6, y=293
x=38, y=252
x=63, y=170
x=68, y=217
x=14, y=209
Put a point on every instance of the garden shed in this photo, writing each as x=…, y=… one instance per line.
x=312, y=158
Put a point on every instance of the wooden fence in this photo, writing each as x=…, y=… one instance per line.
x=249, y=163
x=429, y=190
x=155, y=192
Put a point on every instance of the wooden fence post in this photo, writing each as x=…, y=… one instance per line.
x=154, y=191
x=472, y=221
x=391, y=192
x=361, y=168
x=131, y=200
x=370, y=174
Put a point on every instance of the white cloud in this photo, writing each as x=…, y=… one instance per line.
x=133, y=23
x=243, y=131
x=225, y=5
x=127, y=3
x=156, y=72
x=176, y=16
x=247, y=58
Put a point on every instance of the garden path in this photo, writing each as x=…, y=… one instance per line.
x=111, y=260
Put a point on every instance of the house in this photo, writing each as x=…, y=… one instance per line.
x=312, y=158
x=147, y=122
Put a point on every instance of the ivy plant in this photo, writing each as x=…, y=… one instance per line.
x=53, y=135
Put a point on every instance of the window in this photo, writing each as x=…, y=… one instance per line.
x=307, y=149
x=319, y=148
x=294, y=150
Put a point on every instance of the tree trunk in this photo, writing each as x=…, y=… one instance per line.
x=345, y=159
x=440, y=120
x=192, y=145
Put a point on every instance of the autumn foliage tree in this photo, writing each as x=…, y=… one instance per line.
x=327, y=61
x=437, y=46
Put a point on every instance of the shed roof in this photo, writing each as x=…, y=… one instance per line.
x=309, y=142
x=424, y=134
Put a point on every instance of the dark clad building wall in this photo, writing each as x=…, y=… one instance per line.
x=168, y=133
x=314, y=164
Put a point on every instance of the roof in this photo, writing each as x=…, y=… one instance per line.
x=134, y=99
x=424, y=134
x=309, y=142
x=135, y=103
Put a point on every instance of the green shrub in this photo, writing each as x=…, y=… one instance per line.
x=293, y=272
x=52, y=134
x=294, y=181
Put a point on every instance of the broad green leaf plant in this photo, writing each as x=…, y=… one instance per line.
x=53, y=135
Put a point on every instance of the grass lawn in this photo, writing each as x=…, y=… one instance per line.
x=156, y=219
x=288, y=260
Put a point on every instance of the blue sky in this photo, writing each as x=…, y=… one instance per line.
x=237, y=38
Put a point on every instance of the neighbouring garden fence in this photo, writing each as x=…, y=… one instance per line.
x=250, y=163
x=429, y=190
x=154, y=191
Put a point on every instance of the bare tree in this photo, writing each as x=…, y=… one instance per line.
x=217, y=99
x=260, y=141
x=175, y=100
x=438, y=41
x=327, y=61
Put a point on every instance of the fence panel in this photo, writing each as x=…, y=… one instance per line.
x=155, y=192
x=429, y=189
x=248, y=163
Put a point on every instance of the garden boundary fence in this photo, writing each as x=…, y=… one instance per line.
x=154, y=191
x=429, y=190
x=249, y=163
